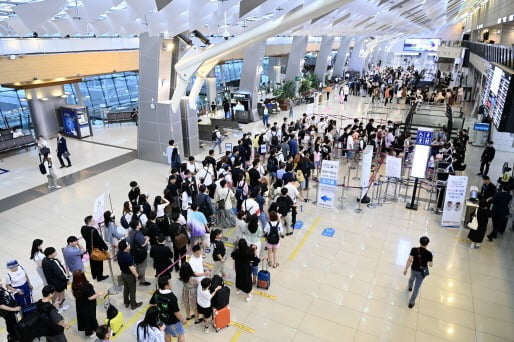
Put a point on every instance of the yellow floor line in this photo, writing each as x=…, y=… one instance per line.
x=264, y=294
x=236, y=336
x=242, y=327
x=132, y=320
x=304, y=239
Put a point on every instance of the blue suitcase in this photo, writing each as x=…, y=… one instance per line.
x=263, y=276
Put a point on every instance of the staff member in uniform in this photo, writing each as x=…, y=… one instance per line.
x=62, y=150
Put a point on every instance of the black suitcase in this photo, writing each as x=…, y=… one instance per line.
x=221, y=298
x=42, y=168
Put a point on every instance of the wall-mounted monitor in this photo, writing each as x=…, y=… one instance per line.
x=421, y=44
x=498, y=97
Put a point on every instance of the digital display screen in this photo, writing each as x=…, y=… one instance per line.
x=420, y=160
x=421, y=44
x=497, y=101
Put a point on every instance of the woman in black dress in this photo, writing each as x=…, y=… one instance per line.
x=477, y=236
x=85, y=302
x=242, y=257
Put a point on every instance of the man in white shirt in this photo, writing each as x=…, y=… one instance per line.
x=191, y=165
x=200, y=269
x=250, y=205
x=350, y=146
x=205, y=173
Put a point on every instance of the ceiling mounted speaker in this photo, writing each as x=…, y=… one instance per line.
x=162, y=3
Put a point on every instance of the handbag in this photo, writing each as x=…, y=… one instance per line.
x=96, y=254
x=66, y=154
x=221, y=202
x=424, y=269
x=473, y=225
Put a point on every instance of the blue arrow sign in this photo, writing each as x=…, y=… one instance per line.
x=325, y=198
x=328, y=232
x=298, y=225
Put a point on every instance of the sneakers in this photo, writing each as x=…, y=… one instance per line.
x=145, y=283
x=411, y=306
x=102, y=278
x=248, y=298
x=472, y=245
x=206, y=330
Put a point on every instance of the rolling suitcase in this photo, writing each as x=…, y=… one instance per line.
x=221, y=318
x=264, y=277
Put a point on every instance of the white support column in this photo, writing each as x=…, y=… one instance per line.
x=356, y=63
x=339, y=66
x=295, y=61
x=323, y=56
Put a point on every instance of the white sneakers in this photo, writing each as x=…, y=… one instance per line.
x=63, y=308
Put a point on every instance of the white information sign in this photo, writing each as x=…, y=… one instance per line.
x=367, y=157
x=310, y=109
x=99, y=208
x=327, y=187
x=454, y=201
x=393, y=167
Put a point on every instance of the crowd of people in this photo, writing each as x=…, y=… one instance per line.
x=252, y=194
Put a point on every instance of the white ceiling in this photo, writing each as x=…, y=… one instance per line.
x=131, y=17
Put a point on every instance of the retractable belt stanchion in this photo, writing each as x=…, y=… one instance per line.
x=358, y=210
x=114, y=290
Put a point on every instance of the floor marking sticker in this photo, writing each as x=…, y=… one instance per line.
x=242, y=327
x=304, y=239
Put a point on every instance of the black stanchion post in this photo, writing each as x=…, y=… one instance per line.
x=412, y=205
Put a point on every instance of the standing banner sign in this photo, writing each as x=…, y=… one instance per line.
x=327, y=186
x=99, y=208
x=367, y=157
x=393, y=167
x=454, y=201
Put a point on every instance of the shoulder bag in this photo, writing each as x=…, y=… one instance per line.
x=96, y=254
x=424, y=269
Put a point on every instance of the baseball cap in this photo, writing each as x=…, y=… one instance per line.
x=12, y=263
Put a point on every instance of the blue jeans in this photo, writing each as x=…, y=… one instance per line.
x=218, y=143
x=416, y=278
x=265, y=120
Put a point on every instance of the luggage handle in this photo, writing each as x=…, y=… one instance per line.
x=265, y=263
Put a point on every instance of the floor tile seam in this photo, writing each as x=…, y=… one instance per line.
x=41, y=190
x=108, y=145
x=445, y=322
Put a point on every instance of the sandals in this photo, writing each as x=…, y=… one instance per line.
x=276, y=265
x=270, y=264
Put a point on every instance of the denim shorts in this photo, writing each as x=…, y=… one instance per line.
x=175, y=330
x=255, y=270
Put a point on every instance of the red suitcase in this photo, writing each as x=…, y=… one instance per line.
x=221, y=318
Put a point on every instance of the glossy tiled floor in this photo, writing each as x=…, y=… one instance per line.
x=348, y=287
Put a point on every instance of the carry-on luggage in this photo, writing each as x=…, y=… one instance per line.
x=264, y=276
x=221, y=318
x=114, y=317
x=221, y=298
x=42, y=168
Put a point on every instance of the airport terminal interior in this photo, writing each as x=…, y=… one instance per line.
x=392, y=116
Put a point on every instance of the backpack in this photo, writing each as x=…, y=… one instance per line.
x=273, y=238
x=180, y=240
x=281, y=206
x=240, y=196
x=123, y=222
x=272, y=165
x=162, y=304
x=38, y=324
x=215, y=282
x=324, y=149
x=274, y=139
x=214, y=135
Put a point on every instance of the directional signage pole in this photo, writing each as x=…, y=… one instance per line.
x=424, y=139
x=328, y=183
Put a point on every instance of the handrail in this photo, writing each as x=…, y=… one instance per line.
x=500, y=54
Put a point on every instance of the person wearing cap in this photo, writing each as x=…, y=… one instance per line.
x=18, y=283
x=8, y=309
x=73, y=253
x=55, y=274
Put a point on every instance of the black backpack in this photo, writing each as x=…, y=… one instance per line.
x=123, y=222
x=274, y=139
x=162, y=305
x=38, y=324
x=214, y=135
x=273, y=237
x=272, y=164
x=240, y=196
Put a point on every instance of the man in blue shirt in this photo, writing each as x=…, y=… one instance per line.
x=73, y=253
